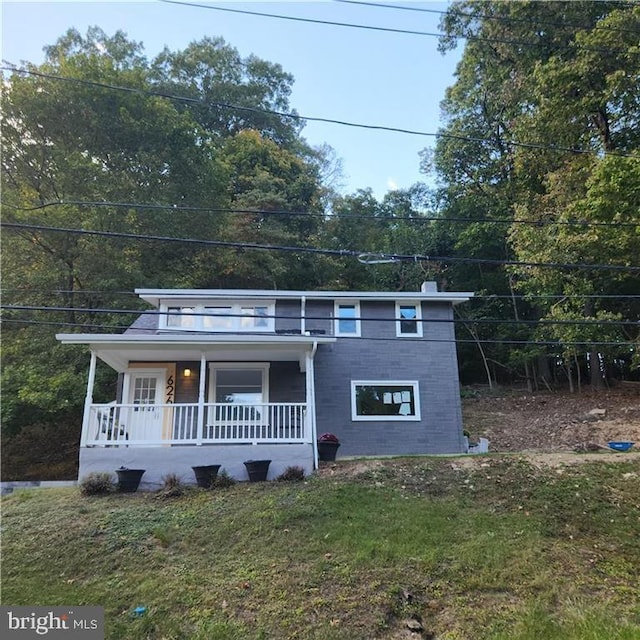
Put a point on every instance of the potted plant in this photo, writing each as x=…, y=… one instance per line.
x=328, y=445
x=206, y=475
x=128, y=479
x=257, y=469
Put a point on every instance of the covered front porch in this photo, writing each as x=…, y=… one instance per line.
x=185, y=401
x=124, y=425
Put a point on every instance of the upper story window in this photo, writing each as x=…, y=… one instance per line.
x=347, y=318
x=408, y=319
x=181, y=318
x=233, y=317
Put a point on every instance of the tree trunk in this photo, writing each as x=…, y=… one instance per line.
x=569, y=376
x=597, y=381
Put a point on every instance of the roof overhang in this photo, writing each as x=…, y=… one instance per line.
x=156, y=296
x=118, y=350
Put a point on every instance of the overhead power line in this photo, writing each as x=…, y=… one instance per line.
x=386, y=257
x=483, y=16
x=477, y=297
x=312, y=214
x=501, y=321
x=295, y=116
x=552, y=343
x=411, y=32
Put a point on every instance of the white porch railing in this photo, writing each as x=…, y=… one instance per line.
x=178, y=424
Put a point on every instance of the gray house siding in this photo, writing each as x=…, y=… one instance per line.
x=286, y=382
x=431, y=361
x=319, y=314
x=287, y=316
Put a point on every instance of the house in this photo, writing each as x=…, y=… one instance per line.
x=224, y=376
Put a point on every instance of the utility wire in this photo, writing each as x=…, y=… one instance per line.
x=181, y=314
x=386, y=257
x=554, y=343
x=430, y=34
x=483, y=16
x=477, y=296
x=311, y=214
x=295, y=116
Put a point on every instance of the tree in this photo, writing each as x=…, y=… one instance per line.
x=80, y=153
x=536, y=81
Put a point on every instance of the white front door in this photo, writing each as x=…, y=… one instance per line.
x=146, y=394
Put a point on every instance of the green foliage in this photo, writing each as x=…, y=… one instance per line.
x=68, y=141
x=559, y=92
x=29, y=454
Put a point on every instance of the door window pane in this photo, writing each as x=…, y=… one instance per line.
x=144, y=390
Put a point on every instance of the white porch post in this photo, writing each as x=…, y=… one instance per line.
x=311, y=401
x=201, y=387
x=88, y=401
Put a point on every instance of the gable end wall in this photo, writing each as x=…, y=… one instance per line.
x=430, y=360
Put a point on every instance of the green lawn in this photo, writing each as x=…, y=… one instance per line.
x=502, y=550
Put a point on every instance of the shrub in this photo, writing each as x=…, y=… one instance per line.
x=223, y=480
x=97, y=484
x=291, y=474
x=171, y=486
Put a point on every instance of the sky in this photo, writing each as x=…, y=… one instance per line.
x=356, y=75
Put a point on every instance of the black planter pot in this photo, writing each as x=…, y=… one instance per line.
x=129, y=479
x=257, y=469
x=206, y=475
x=327, y=450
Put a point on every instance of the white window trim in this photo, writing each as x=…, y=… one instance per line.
x=386, y=383
x=236, y=315
x=336, y=315
x=418, y=319
x=214, y=367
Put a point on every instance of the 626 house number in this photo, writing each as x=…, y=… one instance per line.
x=170, y=390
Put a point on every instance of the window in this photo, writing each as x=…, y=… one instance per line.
x=180, y=317
x=217, y=319
x=384, y=400
x=224, y=317
x=239, y=386
x=239, y=391
x=408, y=316
x=347, y=318
x=254, y=318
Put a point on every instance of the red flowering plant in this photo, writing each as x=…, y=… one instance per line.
x=328, y=437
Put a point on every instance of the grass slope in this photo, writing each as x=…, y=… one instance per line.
x=497, y=550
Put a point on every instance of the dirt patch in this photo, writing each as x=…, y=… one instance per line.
x=552, y=422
